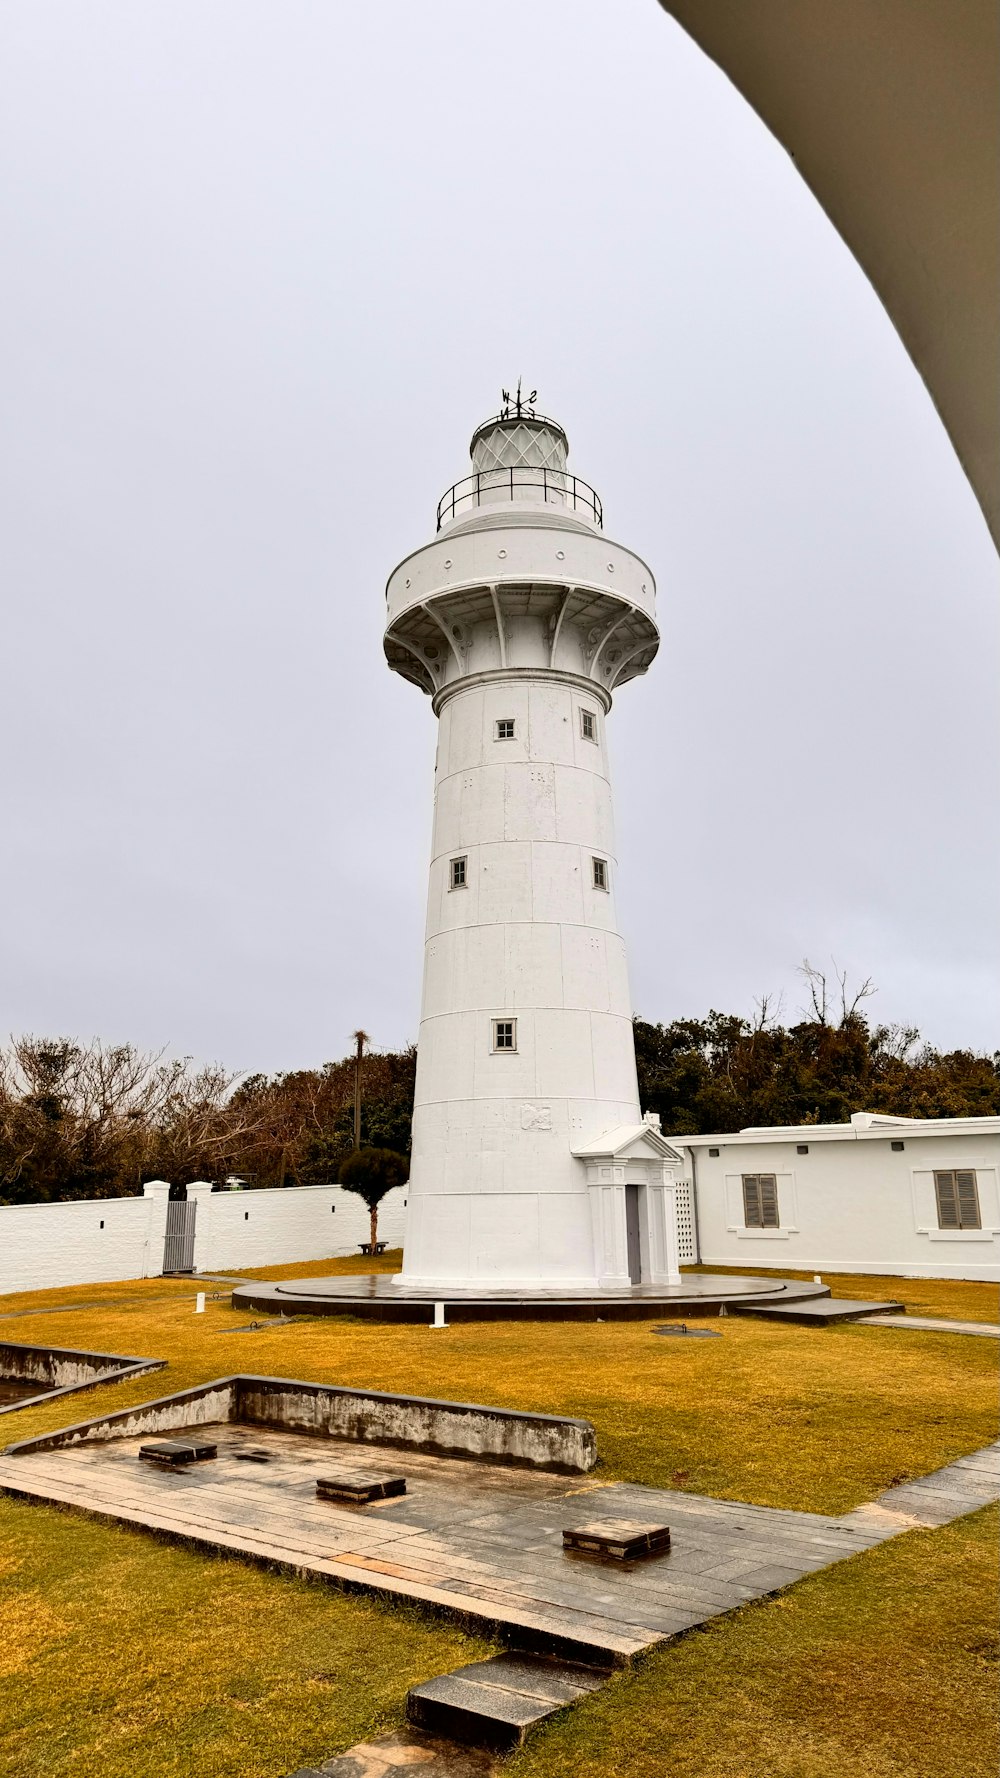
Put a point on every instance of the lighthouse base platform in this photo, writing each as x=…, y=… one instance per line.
x=377, y=1296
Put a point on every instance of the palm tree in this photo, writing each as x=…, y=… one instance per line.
x=360, y=1038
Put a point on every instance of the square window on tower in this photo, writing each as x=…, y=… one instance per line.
x=459, y=873
x=505, y=1034
x=588, y=725
x=505, y=728
x=600, y=866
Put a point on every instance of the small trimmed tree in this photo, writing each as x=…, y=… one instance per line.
x=372, y=1172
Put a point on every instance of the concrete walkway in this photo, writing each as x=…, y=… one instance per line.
x=950, y=1493
x=986, y=1330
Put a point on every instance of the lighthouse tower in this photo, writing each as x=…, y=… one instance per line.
x=533, y=1169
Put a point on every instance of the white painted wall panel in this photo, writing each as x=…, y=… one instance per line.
x=234, y=1230
x=462, y=725
x=482, y=807
x=534, y=974
x=556, y=884
x=583, y=811
x=564, y=1058
x=96, y=1241
x=529, y=802
x=505, y=889
x=586, y=976
x=613, y=1048
x=551, y=726
x=619, y=993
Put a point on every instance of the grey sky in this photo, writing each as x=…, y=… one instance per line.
x=265, y=266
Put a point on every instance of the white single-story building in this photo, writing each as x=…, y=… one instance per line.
x=912, y=1197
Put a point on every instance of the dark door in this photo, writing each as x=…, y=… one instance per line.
x=632, y=1242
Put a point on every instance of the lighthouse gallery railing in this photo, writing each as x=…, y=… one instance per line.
x=556, y=487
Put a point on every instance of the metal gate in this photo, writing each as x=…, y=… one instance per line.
x=178, y=1246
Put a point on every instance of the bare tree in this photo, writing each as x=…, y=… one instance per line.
x=820, y=996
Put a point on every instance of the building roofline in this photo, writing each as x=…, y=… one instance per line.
x=863, y=1127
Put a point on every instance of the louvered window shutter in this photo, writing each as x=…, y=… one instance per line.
x=768, y=1201
x=751, y=1200
x=947, y=1200
x=968, y=1201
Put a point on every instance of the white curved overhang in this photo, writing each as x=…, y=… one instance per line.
x=890, y=110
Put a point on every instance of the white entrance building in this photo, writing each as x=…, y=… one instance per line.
x=532, y=1166
x=905, y=1197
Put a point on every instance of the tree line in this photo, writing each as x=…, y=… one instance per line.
x=97, y=1120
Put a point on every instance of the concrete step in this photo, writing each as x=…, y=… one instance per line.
x=821, y=1311
x=493, y=1704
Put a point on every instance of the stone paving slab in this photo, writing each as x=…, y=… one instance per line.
x=407, y=1754
x=380, y=1296
x=961, y=1487
x=483, y=1542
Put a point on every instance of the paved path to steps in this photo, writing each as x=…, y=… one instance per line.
x=961, y=1487
x=504, y=1701
x=987, y=1330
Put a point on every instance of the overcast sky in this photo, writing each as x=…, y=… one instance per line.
x=265, y=267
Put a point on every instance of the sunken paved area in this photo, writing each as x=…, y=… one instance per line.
x=484, y=1541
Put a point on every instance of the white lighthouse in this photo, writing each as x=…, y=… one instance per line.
x=532, y=1167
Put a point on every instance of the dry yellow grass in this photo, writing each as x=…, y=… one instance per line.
x=129, y=1658
x=133, y=1659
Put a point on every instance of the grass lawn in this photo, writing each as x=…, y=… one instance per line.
x=123, y=1656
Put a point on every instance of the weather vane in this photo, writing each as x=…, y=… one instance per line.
x=520, y=408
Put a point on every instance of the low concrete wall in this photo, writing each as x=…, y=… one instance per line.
x=206, y=1405
x=443, y=1428
x=60, y=1370
x=446, y=1428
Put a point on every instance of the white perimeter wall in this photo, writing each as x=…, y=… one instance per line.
x=273, y=1228
x=105, y=1240
x=850, y=1205
x=100, y=1240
